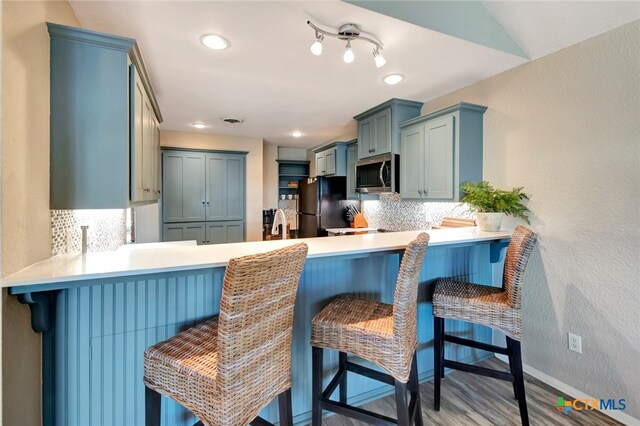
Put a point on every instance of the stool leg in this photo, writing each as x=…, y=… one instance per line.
x=401, y=404
x=510, y=355
x=284, y=408
x=343, y=384
x=519, y=382
x=316, y=386
x=438, y=324
x=414, y=388
x=152, y=407
x=442, y=349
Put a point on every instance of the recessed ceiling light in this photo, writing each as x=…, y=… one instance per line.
x=392, y=79
x=296, y=133
x=215, y=42
x=199, y=125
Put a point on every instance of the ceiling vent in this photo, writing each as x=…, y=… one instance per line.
x=233, y=121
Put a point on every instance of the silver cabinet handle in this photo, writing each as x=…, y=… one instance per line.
x=380, y=174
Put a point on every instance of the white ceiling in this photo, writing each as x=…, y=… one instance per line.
x=269, y=78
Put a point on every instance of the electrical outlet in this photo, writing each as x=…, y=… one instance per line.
x=575, y=343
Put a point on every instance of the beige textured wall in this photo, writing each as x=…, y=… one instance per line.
x=26, y=233
x=567, y=128
x=254, y=167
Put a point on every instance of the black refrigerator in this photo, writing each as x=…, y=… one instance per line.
x=321, y=205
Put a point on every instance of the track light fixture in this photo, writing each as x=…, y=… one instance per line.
x=347, y=32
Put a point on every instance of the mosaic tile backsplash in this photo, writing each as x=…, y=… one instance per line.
x=390, y=213
x=107, y=230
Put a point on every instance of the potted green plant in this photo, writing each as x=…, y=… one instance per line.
x=491, y=204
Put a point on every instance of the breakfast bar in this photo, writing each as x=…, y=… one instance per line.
x=98, y=312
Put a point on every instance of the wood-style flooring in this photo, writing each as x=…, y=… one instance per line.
x=468, y=399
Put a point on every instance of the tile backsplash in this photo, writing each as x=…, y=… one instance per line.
x=389, y=212
x=107, y=230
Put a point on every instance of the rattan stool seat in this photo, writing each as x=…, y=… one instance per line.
x=189, y=362
x=227, y=369
x=383, y=334
x=497, y=308
x=476, y=303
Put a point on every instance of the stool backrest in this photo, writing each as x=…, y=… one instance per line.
x=522, y=242
x=405, y=299
x=255, y=329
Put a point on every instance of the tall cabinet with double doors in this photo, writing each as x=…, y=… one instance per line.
x=203, y=196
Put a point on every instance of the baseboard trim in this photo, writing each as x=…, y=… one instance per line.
x=573, y=392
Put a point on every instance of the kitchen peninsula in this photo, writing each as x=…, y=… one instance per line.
x=99, y=311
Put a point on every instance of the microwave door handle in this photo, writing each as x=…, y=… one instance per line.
x=381, y=175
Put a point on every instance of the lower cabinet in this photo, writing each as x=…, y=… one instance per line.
x=205, y=232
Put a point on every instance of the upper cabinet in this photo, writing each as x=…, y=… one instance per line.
x=331, y=160
x=439, y=151
x=378, y=131
x=352, y=157
x=105, y=149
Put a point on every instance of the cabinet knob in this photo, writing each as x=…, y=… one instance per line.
x=420, y=191
x=146, y=190
x=203, y=203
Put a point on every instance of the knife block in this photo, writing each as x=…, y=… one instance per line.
x=359, y=221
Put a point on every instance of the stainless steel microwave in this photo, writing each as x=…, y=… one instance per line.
x=378, y=174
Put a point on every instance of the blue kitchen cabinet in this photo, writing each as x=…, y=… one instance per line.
x=185, y=232
x=439, y=151
x=225, y=186
x=205, y=187
x=103, y=134
x=352, y=157
x=331, y=160
x=378, y=131
x=225, y=232
x=183, y=181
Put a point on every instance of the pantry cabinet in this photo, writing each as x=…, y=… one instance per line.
x=440, y=151
x=203, y=187
x=104, y=122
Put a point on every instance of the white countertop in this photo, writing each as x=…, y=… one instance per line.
x=164, y=257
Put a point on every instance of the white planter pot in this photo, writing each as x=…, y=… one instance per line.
x=490, y=221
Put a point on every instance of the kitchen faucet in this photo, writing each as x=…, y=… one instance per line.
x=279, y=219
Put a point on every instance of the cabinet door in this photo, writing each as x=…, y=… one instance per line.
x=381, y=143
x=439, y=158
x=136, y=144
x=155, y=178
x=225, y=232
x=148, y=146
x=365, y=136
x=225, y=187
x=412, y=162
x=183, y=183
x=184, y=232
x=352, y=156
x=321, y=164
x=330, y=161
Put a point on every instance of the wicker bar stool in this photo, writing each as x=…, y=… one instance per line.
x=380, y=333
x=498, y=308
x=228, y=368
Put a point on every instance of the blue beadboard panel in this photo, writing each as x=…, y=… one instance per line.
x=103, y=328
